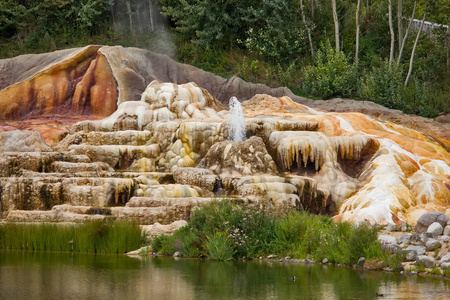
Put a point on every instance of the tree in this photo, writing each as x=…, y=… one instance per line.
x=336, y=25
x=411, y=61
x=358, y=6
x=399, y=22
x=391, y=30
x=307, y=27
x=403, y=41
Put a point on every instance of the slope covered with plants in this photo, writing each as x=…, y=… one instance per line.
x=395, y=53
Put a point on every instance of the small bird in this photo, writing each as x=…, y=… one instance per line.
x=379, y=295
x=291, y=278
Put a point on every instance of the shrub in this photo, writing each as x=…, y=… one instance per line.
x=331, y=75
x=383, y=86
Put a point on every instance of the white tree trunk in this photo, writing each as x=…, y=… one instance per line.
x=391, y=30
x=447, y=44
x=336, y=25
x=307, y=28
x=367, y=7
x=411, y=61
x=358, y=6
x=406, y=34
x=399, y=23
x=130, y=19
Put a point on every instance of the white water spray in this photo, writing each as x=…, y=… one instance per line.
x=236, y=122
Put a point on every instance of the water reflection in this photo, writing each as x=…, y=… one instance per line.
x=74, y=276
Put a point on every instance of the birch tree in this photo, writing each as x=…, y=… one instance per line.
x=336, y=25
x=406, y=34
x=399, y=22
x=307, y=29
x=358, y=6
x=411, y=61
x=391, y=30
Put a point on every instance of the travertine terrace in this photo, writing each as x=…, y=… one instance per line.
x=156, y=156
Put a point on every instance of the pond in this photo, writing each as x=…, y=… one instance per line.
x=44, y=275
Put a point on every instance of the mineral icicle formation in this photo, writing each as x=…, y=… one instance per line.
x=90, y=134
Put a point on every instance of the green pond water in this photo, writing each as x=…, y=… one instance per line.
x=39, y=275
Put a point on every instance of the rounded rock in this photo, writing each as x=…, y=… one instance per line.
x=429, y=218
x=361, y=262
x=445, y=259
x=404, y=239
x=435, y=229
x=426, y=261
x=433, y=244
x=447, y=230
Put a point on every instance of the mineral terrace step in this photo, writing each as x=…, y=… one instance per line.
x=124, y=137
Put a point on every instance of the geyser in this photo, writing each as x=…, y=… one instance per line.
x=236, y=122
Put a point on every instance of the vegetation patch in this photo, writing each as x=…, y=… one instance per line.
x=90, y=237
x=224, y=230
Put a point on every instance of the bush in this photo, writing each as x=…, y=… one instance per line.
x=383, y=86
x=224, y=230
x=331, y=75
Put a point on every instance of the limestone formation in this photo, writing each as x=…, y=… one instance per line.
x=153, y=150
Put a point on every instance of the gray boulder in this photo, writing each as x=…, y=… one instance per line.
x=361, y=261
x=426, y=261
x=393, y=248
x=420, y=239
x=410, y=255
x=404, y=239
x=429, y=218
x=387, y=239
x=445, y=265
x=435, y=229
x=445, y=259
x=447, y=230
x=420, y=250
x=433, y=244
x=425, y=236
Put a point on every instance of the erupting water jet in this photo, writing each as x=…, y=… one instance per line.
x=236, y=121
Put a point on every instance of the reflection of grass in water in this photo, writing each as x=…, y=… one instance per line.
x=89, y=237
x=255, y=279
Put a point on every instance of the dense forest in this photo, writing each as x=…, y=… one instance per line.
x=393, y=52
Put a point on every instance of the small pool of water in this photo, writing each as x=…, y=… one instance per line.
x=39, y=275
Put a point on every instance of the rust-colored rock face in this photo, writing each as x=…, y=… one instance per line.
x=125, y=127
x=81, y=84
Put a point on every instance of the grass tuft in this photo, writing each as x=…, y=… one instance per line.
x=90, y=237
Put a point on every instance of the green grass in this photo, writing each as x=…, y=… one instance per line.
x=89, y=237
x=435, y=271
x=221, y=230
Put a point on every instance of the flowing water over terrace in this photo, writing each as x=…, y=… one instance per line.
x=39, y=275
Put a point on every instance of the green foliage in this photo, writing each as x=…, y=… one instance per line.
x=331, y=75
x=91, y=237
x=383, y=85
x=220, y=247
x=271, y=28
x=261, y=41
x=435, y=271
x=446, y=272
x=224, y=230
